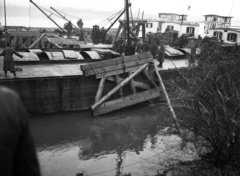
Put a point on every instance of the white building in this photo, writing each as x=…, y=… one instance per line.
x=176, y=22
x=220, y=27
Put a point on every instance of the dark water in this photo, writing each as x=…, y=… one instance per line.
x=130, y=140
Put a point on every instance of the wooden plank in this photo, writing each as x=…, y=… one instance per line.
x=117, y=80
x=137, y=84
x=116, y=67
x=127, y=101
x=119, y=71
x=115, y=89
x=100, y=89
x=115, y=61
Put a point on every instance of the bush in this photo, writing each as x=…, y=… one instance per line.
x=211, y=105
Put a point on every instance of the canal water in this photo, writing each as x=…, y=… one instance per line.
x=138, y=139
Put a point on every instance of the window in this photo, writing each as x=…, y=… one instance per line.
x=190, y=30
x=149, y=25
x=218, y=34
x=232, y=37
x=170, y=27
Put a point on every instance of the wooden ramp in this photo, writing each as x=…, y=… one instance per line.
x=134, y=72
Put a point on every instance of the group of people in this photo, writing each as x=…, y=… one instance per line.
x=98, y=35
x=154, y=46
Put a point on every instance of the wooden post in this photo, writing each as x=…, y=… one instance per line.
x=38, y=40
x=100, y=89
x=168, y=101
x=123, y=83
x=117, y=80
x=133, y=88
x=143, y=31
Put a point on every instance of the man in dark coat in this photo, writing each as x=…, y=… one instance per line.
x=69, y=28
x=17, y=151
x=8, y=63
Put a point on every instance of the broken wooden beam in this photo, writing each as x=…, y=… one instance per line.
x=38, y=40
x=124, y=82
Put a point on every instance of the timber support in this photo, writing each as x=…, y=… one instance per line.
x=127, y=77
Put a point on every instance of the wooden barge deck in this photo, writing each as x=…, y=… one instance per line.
x=47, y=88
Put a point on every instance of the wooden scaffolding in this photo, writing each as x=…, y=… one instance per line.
x=133, y=78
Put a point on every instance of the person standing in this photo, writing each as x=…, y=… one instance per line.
x=17, y=151
x=69, y=28
x=192, y=56
x=161, y=56
x=8, y=63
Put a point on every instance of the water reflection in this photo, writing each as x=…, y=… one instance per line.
x=129, y=140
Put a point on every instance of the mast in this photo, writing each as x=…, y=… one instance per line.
x=5, y=16
x=47, y=16
x=61, y=15
x=127, y=16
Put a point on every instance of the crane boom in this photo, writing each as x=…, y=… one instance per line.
x=48, y=17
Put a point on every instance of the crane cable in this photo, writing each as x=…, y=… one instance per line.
x=108, y=20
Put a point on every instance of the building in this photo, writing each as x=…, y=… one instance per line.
x=220, y=27
x=175, y=22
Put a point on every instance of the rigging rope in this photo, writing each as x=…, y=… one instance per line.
x=110, y=18
x=51, y=13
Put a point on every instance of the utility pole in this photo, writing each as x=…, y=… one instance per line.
x=5, y=16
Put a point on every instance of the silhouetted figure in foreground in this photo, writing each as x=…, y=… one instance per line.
x=17, y=152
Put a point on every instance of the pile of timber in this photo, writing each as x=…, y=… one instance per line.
x=111, y=70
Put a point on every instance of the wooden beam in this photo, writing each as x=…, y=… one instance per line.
x=100, y=89
x=123, y=83
x=38, y=40
x=126, y=101
x=168, y=100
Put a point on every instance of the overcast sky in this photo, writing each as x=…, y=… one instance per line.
x=24, y=13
